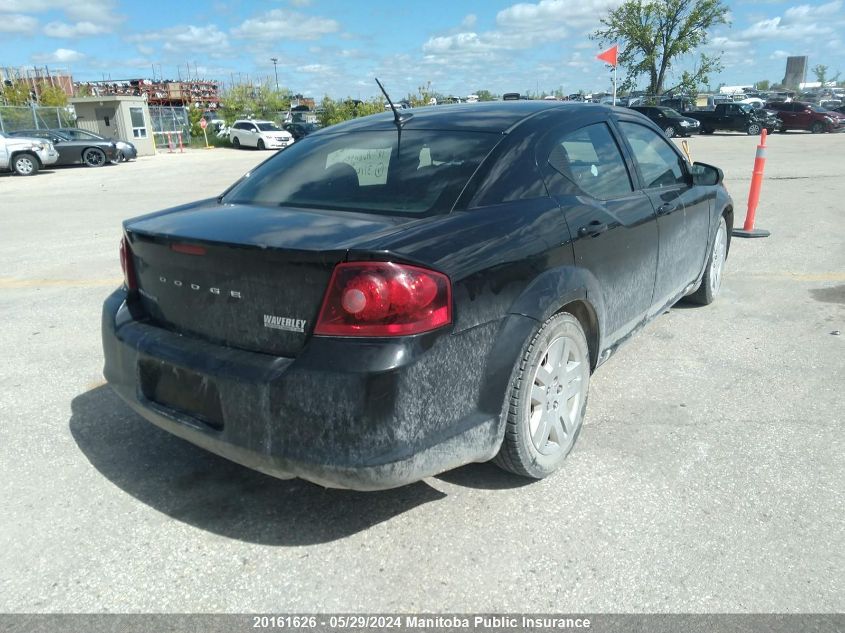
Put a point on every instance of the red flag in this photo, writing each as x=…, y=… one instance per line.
x=609, y=55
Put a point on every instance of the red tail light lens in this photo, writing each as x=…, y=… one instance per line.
x=128, y=265
x=384, y=299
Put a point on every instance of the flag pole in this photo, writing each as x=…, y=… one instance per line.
x=614, y=84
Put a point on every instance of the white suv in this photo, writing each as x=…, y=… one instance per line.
x=260, y=134
x=25, y=156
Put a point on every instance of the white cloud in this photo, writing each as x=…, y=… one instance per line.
x=184, y=39
x=16, y=23
x=280, y=24
x=779, y=54
x=802, y=22
x=59, y=56
x=317, y=69
x=469, y=21
x=552, y=14
x=79, y=29
x=93, y=11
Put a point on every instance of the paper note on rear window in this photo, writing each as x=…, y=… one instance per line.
x=371, y=164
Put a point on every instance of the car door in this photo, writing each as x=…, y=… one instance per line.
x=253, y=134
x=682, y=210
x=789, y=116
x=611, y=223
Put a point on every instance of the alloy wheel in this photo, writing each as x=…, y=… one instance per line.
x=558, y=390
x=717, y=261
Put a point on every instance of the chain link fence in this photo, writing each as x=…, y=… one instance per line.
x=14, y=118
x=170, y=119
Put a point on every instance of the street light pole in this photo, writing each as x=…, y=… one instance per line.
x=275, y=60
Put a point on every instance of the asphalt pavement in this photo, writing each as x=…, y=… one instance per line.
x=709, y=475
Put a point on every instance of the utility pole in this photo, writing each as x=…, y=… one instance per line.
x=275, y=61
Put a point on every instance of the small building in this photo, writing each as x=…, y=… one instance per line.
x=122, y=117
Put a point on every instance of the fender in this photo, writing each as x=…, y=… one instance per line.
x=555, y=288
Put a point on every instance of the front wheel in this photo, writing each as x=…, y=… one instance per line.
x=669, y=131
x=817, y=128
x=236, y=142
x=25, y=165
x=711, y=282
x=548, y=399
x=753, y=129
x=94, y=157
x=260, y=144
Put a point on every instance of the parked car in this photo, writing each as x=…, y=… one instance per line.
x=25, y=156
x=300, y=130
x=387, y=300
x=798, y=115
x=259, y=134
x=126, y=151
x=92, y=153
x=671, y=122
x=736, y=117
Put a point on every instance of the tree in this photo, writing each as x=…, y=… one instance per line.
x=486, y=95
x=332, y=111
x=820, y=71
x=17, y=94
x=763, y=84
x=52, y=96
x=654, y=34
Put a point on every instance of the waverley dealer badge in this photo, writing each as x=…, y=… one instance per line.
x=284, y=323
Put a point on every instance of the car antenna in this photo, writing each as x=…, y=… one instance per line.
x=396, y=118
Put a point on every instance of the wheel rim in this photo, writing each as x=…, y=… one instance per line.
x=94, y=157
x=670, y=131
x=754, y=130
x=557, y=396
x=718, y=259
x=24, y=166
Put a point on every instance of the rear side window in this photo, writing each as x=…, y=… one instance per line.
x=369, y=171
x=659, y=165
x=590, y=158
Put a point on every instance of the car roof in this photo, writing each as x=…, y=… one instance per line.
x=490, y=116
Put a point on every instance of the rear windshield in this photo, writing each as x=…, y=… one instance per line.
x=369, y=171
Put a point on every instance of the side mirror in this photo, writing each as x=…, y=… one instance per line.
x=704, y=174
x=55, y=140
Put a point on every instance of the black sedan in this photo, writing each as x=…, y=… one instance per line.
x=395, y=296
x=300, y=130
x=90, y=152
x=126, y=151
x=672, y=123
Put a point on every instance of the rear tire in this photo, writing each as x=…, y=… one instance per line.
x=711, y=282
x=817, y=128
x=93, y=157
x=548, y=399
x=25, y=164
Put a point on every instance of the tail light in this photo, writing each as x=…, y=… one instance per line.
x=128, y=265
x=384, y=299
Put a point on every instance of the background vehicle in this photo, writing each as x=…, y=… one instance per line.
x=737, y=117
x=300, y=130
x=25, y=156
x=259, y=134
x=126, y=151
x=92, y=153
x=798, y=115
x=671, y=122
x=363, y=311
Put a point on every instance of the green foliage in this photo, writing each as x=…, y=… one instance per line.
x=194, y=117
x=244, y=101
x=332, y=111
x=486, y=95
x=52, y=96
x=763, y=84
x=83, y=90
x=653, y=34
x=820, y=71
x=17, y=94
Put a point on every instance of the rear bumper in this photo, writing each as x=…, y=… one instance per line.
x=345, y=413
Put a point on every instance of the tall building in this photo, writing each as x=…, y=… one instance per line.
x=796, y=71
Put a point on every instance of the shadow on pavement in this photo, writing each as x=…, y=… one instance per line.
x=214, y=494
x=486, y=476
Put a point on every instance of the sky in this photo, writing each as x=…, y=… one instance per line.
x=336, y=47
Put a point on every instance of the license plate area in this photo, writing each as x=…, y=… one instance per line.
x=184, y=391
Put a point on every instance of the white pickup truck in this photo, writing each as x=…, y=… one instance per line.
x=25, y=156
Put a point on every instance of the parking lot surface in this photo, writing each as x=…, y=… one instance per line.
x=708, y=476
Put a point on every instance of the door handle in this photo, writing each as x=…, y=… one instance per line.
x=663, y=209
x=592, y=229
